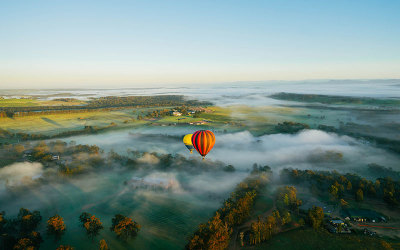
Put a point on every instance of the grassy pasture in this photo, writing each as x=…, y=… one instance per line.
x=18, y=102
x=53, y=124
x=178, y=119
x=57, y=123
x=14, y=102
x=264, y=114
x=258, y=120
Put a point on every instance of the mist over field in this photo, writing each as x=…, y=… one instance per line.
x=308, y=149
x=171, y=202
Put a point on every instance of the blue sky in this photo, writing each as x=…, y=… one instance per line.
x=131, y=43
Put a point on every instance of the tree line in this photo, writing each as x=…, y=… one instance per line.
x=108, y=102
x=337, y=185
x=216, y=233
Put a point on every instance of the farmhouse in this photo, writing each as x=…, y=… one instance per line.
x=363, y=215
x=55, y=157
x=198, y=123
x=337, y=226
x=176, y=113
x=28, y=153
x=337, y=222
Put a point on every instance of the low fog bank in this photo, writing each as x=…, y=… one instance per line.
x=214, y=91
x=169, y=204
x=188, y=176
x=21, y=173
x=145, y=139
x=309, y=149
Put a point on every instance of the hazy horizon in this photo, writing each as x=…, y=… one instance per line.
x=48, y=44
x=205, y=84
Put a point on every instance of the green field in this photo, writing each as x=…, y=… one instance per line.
x=52, y=124
x=257, y=120
x=57, y=123
x=14, y=102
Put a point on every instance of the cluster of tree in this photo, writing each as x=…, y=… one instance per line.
x=263, y=229
x=91, y=223
x=102, y=246
x=67, y=158
x=56, y=226
x=286, y=202
x=66, y=100
x=229, y=168
x=290, y=127
x=43, y=151
x=108, y=102
x=145, y=101
x=337, y=185
x=286, y=198
x=215, y=234
x=165, y=162
x=3, y=114
x=124, y=227
x=156, y=114
x=315, y=217
x=20, y=232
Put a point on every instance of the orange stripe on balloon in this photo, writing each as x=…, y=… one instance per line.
x=204, y=143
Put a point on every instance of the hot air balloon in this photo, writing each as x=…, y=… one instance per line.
x=203, y=141
x=187, y=140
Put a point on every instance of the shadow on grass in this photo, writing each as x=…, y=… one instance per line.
x=51, y=121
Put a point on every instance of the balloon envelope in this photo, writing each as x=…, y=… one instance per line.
x=203, y=141
x=187, y=140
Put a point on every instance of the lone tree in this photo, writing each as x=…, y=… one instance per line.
x=92, y=224
x=28, y=221
x=23, y=244
x=36, y=238
x=56, y=226
x=124, y=227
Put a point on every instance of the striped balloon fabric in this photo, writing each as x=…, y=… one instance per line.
x=203, y=141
